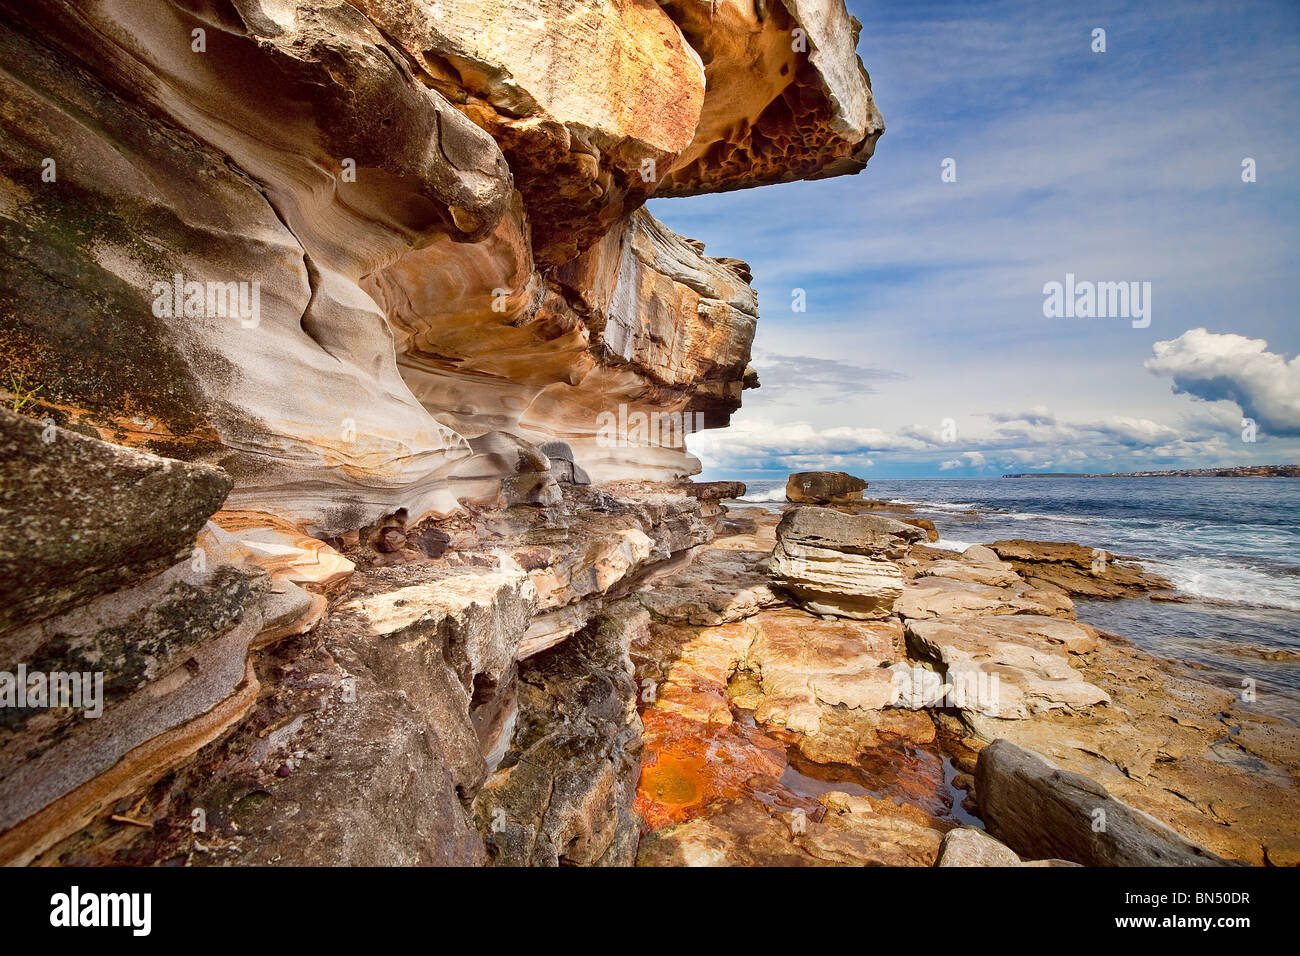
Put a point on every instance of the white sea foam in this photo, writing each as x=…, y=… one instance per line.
x=951, y=544
x=935, y=505
x=1055, y=519
x=1214, y=580
x=772, y=494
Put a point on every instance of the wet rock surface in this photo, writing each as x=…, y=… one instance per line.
x=610, y=682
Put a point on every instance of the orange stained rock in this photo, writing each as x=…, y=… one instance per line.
x=686, y=764
x=909, y=777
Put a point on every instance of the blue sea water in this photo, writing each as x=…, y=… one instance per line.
x=1231, y=547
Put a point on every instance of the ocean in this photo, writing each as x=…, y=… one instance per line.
x=1231, y=547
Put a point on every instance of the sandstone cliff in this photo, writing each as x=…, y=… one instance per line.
x=438, y=204
x=384, y=264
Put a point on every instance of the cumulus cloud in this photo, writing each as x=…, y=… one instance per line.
x=1225, y=366
x=1211, y=436
x=795, y=445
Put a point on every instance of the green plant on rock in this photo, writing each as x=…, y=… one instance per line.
x=22, y=395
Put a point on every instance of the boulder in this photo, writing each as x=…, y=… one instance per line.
x=713, y=490
x=930, y=597
x=833, y=563
x=1041, y=811
x=711, y=494
x=80, y=517
x=824, y=488
x=1008, y=667
x=979, y=554
x=563, y=465
x=926, y=525
x=967, y=846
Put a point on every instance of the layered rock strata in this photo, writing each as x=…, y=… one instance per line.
x=328, y=246
x=1041, y=810
x=758, y=726
x=377, y=278
x=838, y=564
x=130, y=646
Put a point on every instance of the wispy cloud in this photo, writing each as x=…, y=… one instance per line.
x=790, y=378
x=1117, y=166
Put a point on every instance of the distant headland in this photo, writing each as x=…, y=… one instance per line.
x=1239, y=471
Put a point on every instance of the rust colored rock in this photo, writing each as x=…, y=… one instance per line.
x=824, y=488
x=390, y=540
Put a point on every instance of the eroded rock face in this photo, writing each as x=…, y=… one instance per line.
x=1041, y=811
x=567, y=784
x=715, y=586
x=833, y=563
x=385, y=263
x=132, y=643
x=431, y=213
x=774, y=111
x=79, y=517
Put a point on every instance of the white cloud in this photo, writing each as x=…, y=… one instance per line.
x=1225, y=366
x=1038, y=415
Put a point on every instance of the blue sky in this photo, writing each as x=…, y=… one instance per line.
x=924, y=350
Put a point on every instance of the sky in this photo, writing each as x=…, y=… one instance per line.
x=924, y=350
